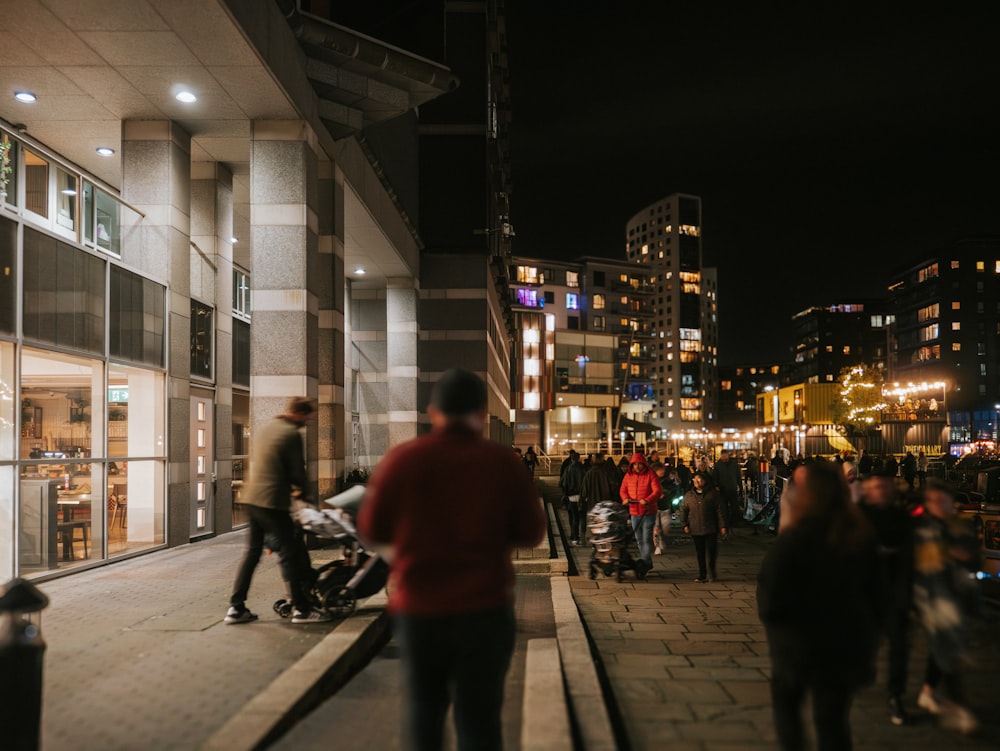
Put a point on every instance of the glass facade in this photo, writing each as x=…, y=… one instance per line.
x=83, y=444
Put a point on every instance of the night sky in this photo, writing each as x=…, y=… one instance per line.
x=830, y=149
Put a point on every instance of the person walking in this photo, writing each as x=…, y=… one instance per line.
x=702, y=518
x=572, y=481
x=818, y=598
x=664, y=505
x=640, y=490
x=908, y=468
x=945, y=552
x=600, y=483
x=726, y=476
x=882, y=506
x=922, y=470
x=277, y=472
x=453, y=505
x=531, y=460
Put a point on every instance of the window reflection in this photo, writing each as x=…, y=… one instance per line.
x=36, y=183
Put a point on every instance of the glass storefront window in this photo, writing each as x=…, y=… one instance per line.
x=136, y=437
x=241, y=448
x=36, y=183
x=66, y=200
x=8, y=452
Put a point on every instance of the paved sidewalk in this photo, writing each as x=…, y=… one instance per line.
x=138, y=656
x=688, y=663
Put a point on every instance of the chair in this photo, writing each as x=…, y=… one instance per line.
x=117, y=504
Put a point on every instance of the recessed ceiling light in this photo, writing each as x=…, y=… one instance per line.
x=360, y=271
x=68, y=191
x=233, y=240
x=185, y=96
x=25, y=96
x=105, y=151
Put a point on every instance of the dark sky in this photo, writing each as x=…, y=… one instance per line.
x=830, y=148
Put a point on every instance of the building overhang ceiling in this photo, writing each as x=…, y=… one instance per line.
x=93, y=64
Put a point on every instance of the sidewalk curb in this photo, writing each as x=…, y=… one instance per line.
x=308, y=682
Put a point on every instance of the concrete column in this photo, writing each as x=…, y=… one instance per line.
x=285, y=278
x=402, y=334
x=212, y=280
x=330, y=278
x=369, y=396
x=156, y=178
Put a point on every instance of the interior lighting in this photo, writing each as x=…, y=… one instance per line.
x=185, y=96
x=25, y=96
x=105, y=151
x=233, y=240
x=360, y=271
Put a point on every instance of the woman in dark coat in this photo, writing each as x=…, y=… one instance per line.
x=818, y=598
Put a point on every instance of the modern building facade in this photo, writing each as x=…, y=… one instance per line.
x=739, y=386
x=582, y=354
x=829, y=338
x=947, y=329
x=211, y=207
x=665, y=239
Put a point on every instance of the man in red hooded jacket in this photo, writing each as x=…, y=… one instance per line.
x=641, y=490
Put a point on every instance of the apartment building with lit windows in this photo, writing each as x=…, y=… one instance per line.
x=665, y=239
x=739, y=386
x=947, y=329
x=582, y=350
x=829, y=338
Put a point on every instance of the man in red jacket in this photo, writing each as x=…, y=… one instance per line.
x=453, y=505
x=641, y=490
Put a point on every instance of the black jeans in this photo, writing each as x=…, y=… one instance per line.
x=275, y=528
x=460, y=660
x=706, y=544
x=831, y=713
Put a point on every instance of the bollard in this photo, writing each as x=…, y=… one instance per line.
x=21, y=651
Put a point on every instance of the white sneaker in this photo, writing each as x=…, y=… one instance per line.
x=312, y=616
x=930, y=701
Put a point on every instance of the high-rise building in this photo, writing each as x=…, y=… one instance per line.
x=581, y=351
x=829, y=338
x=665, y=238
x=947, y=329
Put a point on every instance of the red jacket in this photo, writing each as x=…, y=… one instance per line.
x=453, y=505
x=640, y=490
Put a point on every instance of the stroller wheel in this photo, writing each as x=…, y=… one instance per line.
x=283, y=608
x=339, y=603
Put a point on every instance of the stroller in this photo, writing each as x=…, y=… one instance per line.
x=340, y=583
x=610, y=533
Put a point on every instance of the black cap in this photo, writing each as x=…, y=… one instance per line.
x=458, y=393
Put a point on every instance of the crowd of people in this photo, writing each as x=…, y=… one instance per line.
x=866, y=548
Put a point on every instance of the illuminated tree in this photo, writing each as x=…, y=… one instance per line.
x=857, y=411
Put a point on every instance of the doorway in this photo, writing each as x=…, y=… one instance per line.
x=202, y=463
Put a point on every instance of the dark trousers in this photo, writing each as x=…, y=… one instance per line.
x=460, y=660
x=577, y=520
x=706, y=544
x=831, y=713
x=275, y=529
x=897, y=622
x=950, y=681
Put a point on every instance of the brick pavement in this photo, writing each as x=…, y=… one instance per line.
x=688, y=663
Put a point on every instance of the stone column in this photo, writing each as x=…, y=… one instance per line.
x=402, y=334
x=156, y=178
x=330, y=279
x=285, y=273
x=212, y=279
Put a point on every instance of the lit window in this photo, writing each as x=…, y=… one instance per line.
x=980, y=266
x=956, y=347
x=982, y=368
x=829, y=376
x=996, y=267
x=928, y=313
x=241, y=294
x=829, y=348
x=532, y=401
x=956, y=325
x=572, y=301
x=530, y=298
x=572, y=279
x=847, y=349
x=956, y=305
x=954, y=264
x=599, y=302
x=529, y=275
x=927, y=272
